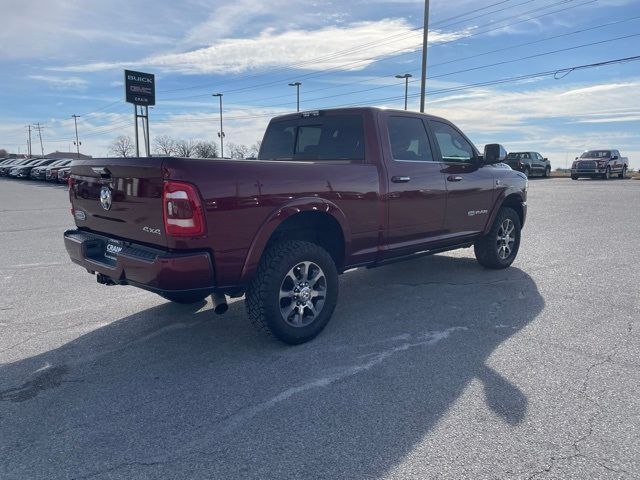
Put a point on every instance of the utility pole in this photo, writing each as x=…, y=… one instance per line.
x=29, y=141
x=297, y=85
x=406, y=77
x=39, y=128
x=221, y=132
x=75, y=121
x=425, y=41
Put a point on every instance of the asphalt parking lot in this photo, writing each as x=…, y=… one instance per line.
x=433, y=368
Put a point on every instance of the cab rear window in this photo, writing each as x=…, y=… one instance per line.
x=337, y=137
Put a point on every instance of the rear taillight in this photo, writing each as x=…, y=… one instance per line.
x=182, y=210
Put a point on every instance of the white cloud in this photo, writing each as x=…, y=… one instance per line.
x=73, y=83
x=618, y=119
x=309, y=49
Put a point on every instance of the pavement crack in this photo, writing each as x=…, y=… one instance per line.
x=575, y=445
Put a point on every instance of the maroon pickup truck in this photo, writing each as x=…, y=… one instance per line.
x=331, y=190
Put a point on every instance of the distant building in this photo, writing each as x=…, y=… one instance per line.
x=58, y=154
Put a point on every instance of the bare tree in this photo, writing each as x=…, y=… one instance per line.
x=185, y=148
x=122, y=146
x=238, y=150
x=164, y=145
x=255, y=149
x=206, y=150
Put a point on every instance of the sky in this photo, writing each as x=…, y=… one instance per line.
x=500, y=70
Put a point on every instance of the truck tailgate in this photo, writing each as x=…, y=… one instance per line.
x=131, y=203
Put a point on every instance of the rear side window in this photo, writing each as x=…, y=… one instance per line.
x=409, y=140
x=338, y=137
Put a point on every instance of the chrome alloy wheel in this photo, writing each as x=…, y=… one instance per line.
x=302, y=294
x=506, y=239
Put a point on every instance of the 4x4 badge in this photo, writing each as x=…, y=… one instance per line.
x=105, y=197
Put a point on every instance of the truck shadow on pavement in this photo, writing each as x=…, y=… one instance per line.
x=178, y=392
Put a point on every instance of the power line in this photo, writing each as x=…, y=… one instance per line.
x=459, y=59
x=380, y=87
x=403, y=51
x=350, y=50
x=557, y=73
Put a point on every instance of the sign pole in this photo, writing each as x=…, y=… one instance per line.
x=146, y=114
x=135, y=117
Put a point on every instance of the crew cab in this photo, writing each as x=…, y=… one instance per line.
x=330, y=191
x=529, y=163
x=600, y=164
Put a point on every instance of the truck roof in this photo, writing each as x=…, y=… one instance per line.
x=353, y=110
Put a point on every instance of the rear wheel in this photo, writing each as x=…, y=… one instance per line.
x=498, y=248
x=624, y=173
x=294, y=292
x=182, y=297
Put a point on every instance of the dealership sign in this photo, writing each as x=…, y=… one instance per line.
x=140, y=88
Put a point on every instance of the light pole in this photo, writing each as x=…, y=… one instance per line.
x=406, y=77
x=297, y=85
x=425, y=41
x=75, y=121
x=221, y=132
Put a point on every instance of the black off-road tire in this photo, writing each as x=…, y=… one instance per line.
x=623, y=174
x=262, y=300
x=182, y=297
x=547, y=172
x=486, y=248
x=607, y=174
x=527, y=171
x=574, y=177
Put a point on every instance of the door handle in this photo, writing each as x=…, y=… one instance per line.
x=452, y=178
x=400, y=179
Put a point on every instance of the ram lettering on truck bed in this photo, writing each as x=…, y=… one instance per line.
x=330, y=190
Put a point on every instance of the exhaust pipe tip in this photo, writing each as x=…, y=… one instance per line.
x=220, y=305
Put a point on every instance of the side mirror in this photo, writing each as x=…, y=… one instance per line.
x=494, y=153
x=545, y=159
x=615, y=157
x=576, y=158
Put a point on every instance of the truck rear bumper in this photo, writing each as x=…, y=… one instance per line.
x=153, y=269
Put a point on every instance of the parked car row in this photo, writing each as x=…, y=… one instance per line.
x=48, y=169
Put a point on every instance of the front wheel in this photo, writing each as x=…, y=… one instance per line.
x=294, y=292
x=547, y=172
x=607, y=174
x=498, y=248
x=574, y=177
x=624, y=173
x=527, y=172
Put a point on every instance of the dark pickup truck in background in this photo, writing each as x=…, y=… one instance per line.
x=529, y=163
x=599, y=164
x=331, y=190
